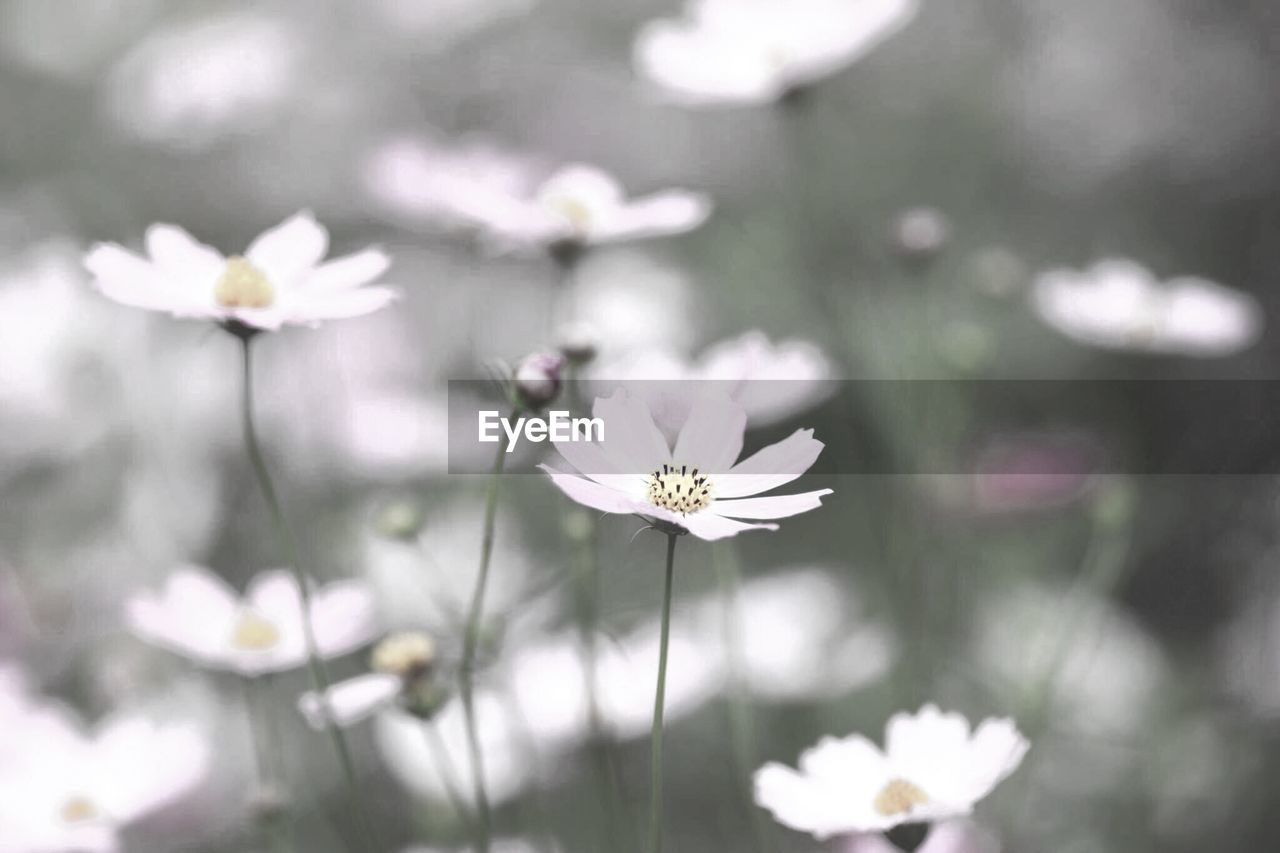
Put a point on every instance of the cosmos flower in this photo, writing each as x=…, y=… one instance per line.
x=771, y=380
x=65, y=788
x=402, y=668
x=198, y=616
x=698, y=487
x=279, y=280
x=953, y=836
x=931, y=769
x=725, y=52
x=1119, y=305
x=503, y=198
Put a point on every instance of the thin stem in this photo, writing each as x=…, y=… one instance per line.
x=289, y=544
x=471, y=642
x=659, y=704
x=271, y=816
x=741, y=723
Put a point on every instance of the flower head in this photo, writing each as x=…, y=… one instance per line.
x=279, y=280
x=932, y=768
x=63, y=787
x=577, y=206
x=198, y=616
x=1120, y=305
x=758, y=51
x=698, y=487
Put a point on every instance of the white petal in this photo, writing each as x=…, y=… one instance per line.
x=711, y=438
x=770, y=467
x=996, y=751
x=698, y=68
x=772, y=506
x=290, y=250
x=124, y=277
x=592, y=494
x=344, y=617
x=351, y=701
x=182, y=258
x=274, y=595
x=707, y=526
x=341, y=305
x=631, y=439
x=192, y=615
x=801, y=803
x=657, y=215
x=590, y=460
x=348, y=272
x=176, y=760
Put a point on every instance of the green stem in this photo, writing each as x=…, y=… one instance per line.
x=471, y=642
x=289, y=544
x=741, y=723
x=273, y=823
x=659, y=703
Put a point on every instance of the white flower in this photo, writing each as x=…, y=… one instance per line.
x=697, y=486
x=481, y=188
x=932, y=768
x=757, y=51
x=1118, y=304
x=279, y=280
x=953, y=836
x=771, y=381
x=63, y=788
x=403, y=666
x=198, y=616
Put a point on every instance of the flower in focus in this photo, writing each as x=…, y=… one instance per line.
x=932, y=768
x=697, y=487
x=725, y=52
x=279, y=280
x=771, y=381
x=403, y=665
x=64, y=788
x=198, y=616
x=1119, y=305
x=953, y=836
x=577, y=206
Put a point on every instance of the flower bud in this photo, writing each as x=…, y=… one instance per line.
x=578, y=343
x=921, y=234
x=400, y=520
x=537, y=379
x=424, y=698
x=408, y=654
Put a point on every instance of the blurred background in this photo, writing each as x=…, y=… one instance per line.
x=898, y=220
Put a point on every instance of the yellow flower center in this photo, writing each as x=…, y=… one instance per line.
x=574, y=210
x=679, y=489
x=899, y=797
x=408, y=654
x=78, y=809
x=242, y=285
x=255, y=634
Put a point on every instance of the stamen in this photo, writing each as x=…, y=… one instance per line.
x=676, y=488
x=78, y=809
x=899, y=797
x=242, y=285
x=573, y=210
x=409, y=654
x=254, y=633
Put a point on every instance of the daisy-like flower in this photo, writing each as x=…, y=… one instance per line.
x=577, y=206
x=931, y=769
x=1119, y=305
x=402, y=666
x=698, y=487
x=771, y=380
x=199, y=616
x=279, y=280
x=725, y=52
x=66, y=788
x=953, y=836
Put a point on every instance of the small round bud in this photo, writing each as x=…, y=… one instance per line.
x=400, y=520
x=578, y=343
x=408, y=654
x=921, y=234
x=537, y=379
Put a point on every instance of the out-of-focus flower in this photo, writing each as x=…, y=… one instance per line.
x=802, y=637
x=697, y=487
x=771, y=381
x=403, y=665
x=279, y=280
x=1119, y=305
x=63, y=788
x=577, y=206
x=1030, y=472
x=952, y=836
x=198, y=616
x=932, y=768
x=921, y=234
x=193, y=84
x=537, y=379
x=725, y=52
